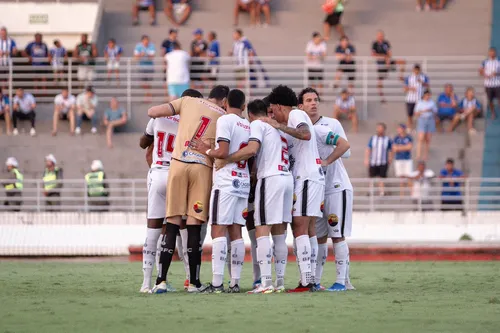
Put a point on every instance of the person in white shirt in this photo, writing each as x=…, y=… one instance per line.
x=64, y=109
x=345, y=105
x=86, y=104
x=421, y=186
x=24, y=105
x=316, y=52
x=177, y=62
x=425, y=111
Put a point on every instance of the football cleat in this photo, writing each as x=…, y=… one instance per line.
x=192, y=289
x=215, y=290
x=186, y=284
x=337, y=287
x=302, y=289
x=233, y=290
x=145, y=290
x=160, y=288
x=279, y=289
x=257, y=283
x=262, y=290
x=319, y=287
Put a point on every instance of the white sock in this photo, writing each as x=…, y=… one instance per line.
x=185, y=257
x=253, y=248
x=314, y=256
x=348, y=265
x=280, y=258
x=322, y=255
x=237, y=259
x=149, y=255
x=304, y=258
x=341, y=257
x=219, y=253
x=228, y=259
x=264, y=255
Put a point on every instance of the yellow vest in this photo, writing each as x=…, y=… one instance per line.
x=19, y=181
x=95, y=184
x=50, y=179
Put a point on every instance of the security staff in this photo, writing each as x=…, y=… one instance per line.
x=97, y=188
x=14, y=187
x=52, y=184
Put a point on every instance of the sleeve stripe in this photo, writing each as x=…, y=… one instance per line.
x=254, y=139
x=172, y=108
x=223, y=139
x=301, y=124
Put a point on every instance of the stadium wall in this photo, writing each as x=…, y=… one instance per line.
x=74, y=234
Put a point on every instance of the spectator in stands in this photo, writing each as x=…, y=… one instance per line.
x=345, y=105
x=113, y=53
x=468, y=109
x=141, y=5
x=213, y=54
x=381, y=51
x=97, y=187
x=86, y=104
x=378, y=155
x=415, y=84
x=421, y=180
x=14, y=186
x=427, y=6
x=114, y=117
x=345, y=53
x=316, y=50
x=24, y=105
x=57, y=57
x=5, y=111
x=263, y=6
x=447, y=106
x=85, y=53
x=247, y=6
x=37, y=52
x=177, y=63
x=8, y=49
x=334, y=10
x=52, y=176
x=431, y=4
x=490, y=70
x=64, y=109
x=199, y=49
x=242, y=53
x=403, y=164
x=426, y=111
x=178, y=11
x=145, y=52
x=451, y=196
x=168, y=44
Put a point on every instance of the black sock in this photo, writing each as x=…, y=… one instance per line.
x=194, y=253
x=167, y=251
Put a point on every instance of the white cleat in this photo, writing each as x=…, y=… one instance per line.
x=159, y=288
x=32, y=131
x=145, y=290
x=93, y=130
x=262, y=290
x=192, y=289
x=280, y=289
x=78, y=130
x=15, y=132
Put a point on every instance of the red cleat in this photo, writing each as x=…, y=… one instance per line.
x=301, y=289
x=186, y=284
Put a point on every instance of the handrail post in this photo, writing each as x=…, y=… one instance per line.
x=129, y=87
x=372, y=195
x=247, y=78
x=365, y=88
x=11, y=89
x=133, y=196
x=70, y=76
x=419, y=200
x=467, y=195
x=424, y=65
x=85, y=198
x=38, y=201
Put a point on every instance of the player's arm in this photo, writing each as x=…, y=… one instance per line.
x=244, y=153
x=167, y=109
x=149, y=155
x=342, y=146
x=300, y=132
x=221, y=152
x=147, y=138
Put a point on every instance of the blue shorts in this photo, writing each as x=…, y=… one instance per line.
x=426, y=125
x=176, y=90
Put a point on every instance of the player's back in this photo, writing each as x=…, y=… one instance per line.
x=164, y=131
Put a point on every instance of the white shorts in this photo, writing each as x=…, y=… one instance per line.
x=157, y=193
x=85, y=73
x=308, y=198
x=227, y=209
x=113, y=64
x=337, y=217
x=403, y=168
x=273, y=200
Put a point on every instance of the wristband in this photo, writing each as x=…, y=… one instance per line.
x=208, y=152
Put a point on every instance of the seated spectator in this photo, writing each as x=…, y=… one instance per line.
x=57, y=57
x=415, y=84
x=421, y=180
x=316, y=50
x=140, y=5
x=23, y=106
x=86, y=104
x=468, y=109
x=262, y=6
x=247, y=6
x=427, y=6
x=114, y=117
x=64, y=109
x=425, y=111
x=213, y=54
x=447, y=106
x=402, y=146
x=334, y=10
x=37, y=53
x=168, y=44
x=145, y=52
x=7, y=50
x=113, y=53
x=85, y=53
x=451, y=197
x=346, y=105
x=178, y=11
x=345, y=53
x=5, y=110
x=199, y=49
x=177, y=71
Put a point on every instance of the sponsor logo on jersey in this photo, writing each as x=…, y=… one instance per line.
x=333, y=220
x=322, y=206
x=236, y=183
x=244, y=213
x=239, y=174
x=198, y=207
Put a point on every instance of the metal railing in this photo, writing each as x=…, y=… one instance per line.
x=130, y=195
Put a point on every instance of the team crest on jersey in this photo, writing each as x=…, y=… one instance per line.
x=244, y=213
x=198, y=207
x=322, y=207
x=333, y=220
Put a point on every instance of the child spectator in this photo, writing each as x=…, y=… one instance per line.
x=425, y=111
x=113, y=53
x=57, y=57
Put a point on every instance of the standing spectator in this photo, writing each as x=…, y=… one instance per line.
x=145, y=52
x=178, y=11
x=490, y=70
x=7, y=50
x=13, y=187
x=5, y=110
x=37, y=52
x=345, y=53
x=242, y=53
x=64, y=109
x=381, y=51
x=198, y=50
x=52, y=176
x=447, y=106
x=213, y=54
x=85, y=53
x=177, y=71
x=113, y=53
x=97, y=187
x=141, y=5
x=421, y=180
x=402, y=146
x=57, y=57
x=345, y=105
x=86, y=104
x=168, y=44
x=426, y=111
x=468, y=109
x=415, y=84
x=24, y=105
x=263, y=6
x=334, y=10
x=316, y=53
x=378, y=155
x=451, y=197
x=247, y=6
x=114, y=117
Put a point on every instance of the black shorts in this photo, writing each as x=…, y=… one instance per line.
x=383, y=69
x=348, y=67
x=443, y=117
x=315, y=74
x=410, y=109
x=333, y=19
x=449, y=205
x=378, y=171
x=492, y=93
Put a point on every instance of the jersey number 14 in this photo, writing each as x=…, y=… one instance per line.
x=165, y=145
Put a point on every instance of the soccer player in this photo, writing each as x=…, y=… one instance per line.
x=337, y=215
x=190, y=178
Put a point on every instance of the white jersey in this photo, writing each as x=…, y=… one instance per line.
x=233, y=178
x=163, y=130
x=272, y=158
x=305, y=162
x=336, y=179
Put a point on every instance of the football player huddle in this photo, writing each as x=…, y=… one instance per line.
x=281, y=166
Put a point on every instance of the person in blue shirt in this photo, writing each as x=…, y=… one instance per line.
x=402, y=146
x=468, y=109
x=5, y=111
x=114, y=117
x=447, y=106
x=38, y=52
x=168, y=44
x=145, y=52
x=451, y=196
x=425, y=111
x=113, y=53
x=213, y=54
x=57, y=56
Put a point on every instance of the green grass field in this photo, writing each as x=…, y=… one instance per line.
x=41, y=296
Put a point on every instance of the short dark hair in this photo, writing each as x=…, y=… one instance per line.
x=192, y=93
x=112, y=40
x=214, y=34
x=304, y=91
x=416, y=66
x=239, y=32
x=236, y=99
x=426, y=91
x=383, y=125
x=316, y=34
x=219, y=92
x=283, y=95
x=257, y=107
x=176, y=45
x=266, y=101
x=450, y=161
